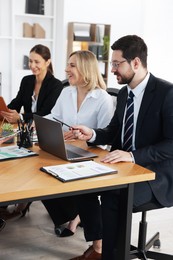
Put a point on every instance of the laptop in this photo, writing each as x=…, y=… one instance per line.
x=51, y=139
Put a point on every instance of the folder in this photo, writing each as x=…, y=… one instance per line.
x=34, y=6
x=82, y=32
x=38, y=31
x=93, y=48
x=3, y=107
x=0, y=82
x=27, y=30
x=78, y=171
x=100, y=52
x=25, y=62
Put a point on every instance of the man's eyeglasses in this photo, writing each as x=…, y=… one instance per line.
x=115, y=64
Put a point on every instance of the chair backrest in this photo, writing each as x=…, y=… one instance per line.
x=114, y=93
x=65, y=83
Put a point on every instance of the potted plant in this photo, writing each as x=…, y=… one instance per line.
x=7, y=129
x=106, y=46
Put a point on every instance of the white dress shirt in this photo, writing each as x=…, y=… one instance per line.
x=138, y=92
x=95, y=111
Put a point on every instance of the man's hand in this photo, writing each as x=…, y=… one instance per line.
x=82, y=132
x=117, y=156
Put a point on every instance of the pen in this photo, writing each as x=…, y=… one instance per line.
x=62, y=122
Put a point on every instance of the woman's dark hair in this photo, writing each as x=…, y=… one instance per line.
x=132, y=46
x=44, y=52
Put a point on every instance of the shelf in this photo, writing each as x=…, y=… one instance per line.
x=93, y=37
x=35, y=16
x=34, y=39
x=14, y=46
x=5, y=37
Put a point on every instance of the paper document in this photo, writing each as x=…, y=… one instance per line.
x=76, y=171
x=14, y=152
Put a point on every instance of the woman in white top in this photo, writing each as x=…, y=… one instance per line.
x=84, y=102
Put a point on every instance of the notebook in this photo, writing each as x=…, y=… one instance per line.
x=3, y=107
x=51, y=140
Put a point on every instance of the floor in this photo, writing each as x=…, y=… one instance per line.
x=32, y=237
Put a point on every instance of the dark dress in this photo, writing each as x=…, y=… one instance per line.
x=61, y=210
x=49, y=92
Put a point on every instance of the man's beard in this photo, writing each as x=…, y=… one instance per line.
x=124, y=79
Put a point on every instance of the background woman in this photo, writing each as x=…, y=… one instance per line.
x=38, y=92
x=37, y=95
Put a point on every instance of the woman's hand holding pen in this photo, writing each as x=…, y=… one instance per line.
x=82, y=132
x=69, y=135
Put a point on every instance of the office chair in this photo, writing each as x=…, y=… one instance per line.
x=2, y=223
x=113, y=91
x=142, y=250
x=65, y=83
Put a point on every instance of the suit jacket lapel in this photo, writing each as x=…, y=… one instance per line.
x=43, y=91
x=146, y=101
x=122, y=103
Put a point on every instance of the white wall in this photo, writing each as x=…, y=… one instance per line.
x=158, y=35
x=150, y=19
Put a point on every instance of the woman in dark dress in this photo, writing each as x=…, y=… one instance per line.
x=37, y=95
x=38, y=92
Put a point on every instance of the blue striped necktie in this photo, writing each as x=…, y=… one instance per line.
x=128, y=123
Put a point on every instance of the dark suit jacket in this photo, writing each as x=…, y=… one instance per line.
x=154, y=135
x=49, y=92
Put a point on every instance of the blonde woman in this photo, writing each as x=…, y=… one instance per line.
x=85, y=101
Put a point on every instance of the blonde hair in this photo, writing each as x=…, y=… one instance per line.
x=87, y=66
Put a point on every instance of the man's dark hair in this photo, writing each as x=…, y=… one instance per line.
x=132, y=46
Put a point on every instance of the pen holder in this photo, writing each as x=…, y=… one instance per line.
x=24, y=135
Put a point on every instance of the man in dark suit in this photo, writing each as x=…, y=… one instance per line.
x=152, y=136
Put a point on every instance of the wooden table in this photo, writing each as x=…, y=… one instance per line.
x=21, y=180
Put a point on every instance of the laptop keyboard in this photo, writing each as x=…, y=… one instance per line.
x=74, y=152
x=72, y=155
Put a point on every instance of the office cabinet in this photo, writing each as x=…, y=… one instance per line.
x=19, y=32
x=93, y=37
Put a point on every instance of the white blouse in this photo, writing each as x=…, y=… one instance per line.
x=95, y=111
x=34, y=103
